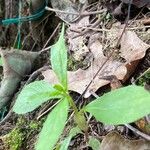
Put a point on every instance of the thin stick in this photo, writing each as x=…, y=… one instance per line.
x=54, y=32
x=136, y=28
x=148, y=70
x=6, y=117
x=126, y=24
x=23, y=43
x=101, y=67
x=60, y=11
x=48, y=110
x=39, y=35
x=36, y=73
x=94, y=94
x=118, y=42
x=145, y=136
x=96, y=29
x=52, y=35
x=86, y=30
x=107, y=30
x=74, y=13
x=45, y=49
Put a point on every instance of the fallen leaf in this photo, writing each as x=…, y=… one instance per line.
x=132, y=50
x=78, y=80
x=76, y=40
x=67, y=6
x=132, y=47
x=114, y=141
x=138, y=3
x=143, y=125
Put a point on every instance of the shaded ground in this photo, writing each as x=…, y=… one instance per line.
x=20, y=132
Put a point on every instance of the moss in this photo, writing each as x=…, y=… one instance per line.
x=23, y=132
x=34, y=125
x=145, y=78
x=14, y=139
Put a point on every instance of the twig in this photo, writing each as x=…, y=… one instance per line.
x=45, y=50
x=101, y=67
x=148, y=70
x=145, y=136
x=90, y=5
x=54, y=32
x=136, y=28
x=94, y=94
x=74, y=13
x=107, y=30
x=110, y=55
x=39, y=35
x=70, y=116
x=86, y=29
x=6, y=117
x=45, y=112
x=23, y=43
x=126, y=24
x=60, y=11
x=148, y=119
x=96, y=29
x=136, y=16
x=36, y=73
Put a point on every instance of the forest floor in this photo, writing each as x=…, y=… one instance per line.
x=94, y=30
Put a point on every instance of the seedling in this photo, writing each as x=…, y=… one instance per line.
x=121, y=106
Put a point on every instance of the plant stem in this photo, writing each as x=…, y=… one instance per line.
x=79, y=117
x=73, y=105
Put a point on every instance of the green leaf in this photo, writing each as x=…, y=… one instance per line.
x=33, y=95
x=73, y=132
x=59, y=88
x=65, y=144
x=59, y=59
x=53, y=126
x=121, y=106
x=1, y=61
x=94, y=143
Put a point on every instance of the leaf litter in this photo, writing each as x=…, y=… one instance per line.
x=132, y=50
x=115, y=141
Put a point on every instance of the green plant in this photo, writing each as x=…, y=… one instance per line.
x=14, y=139
x=1, y=62
x=121, y=106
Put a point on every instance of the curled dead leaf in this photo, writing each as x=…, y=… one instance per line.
x=132, y=50
x=114, y=141
x=67, y=6
x=78, y=80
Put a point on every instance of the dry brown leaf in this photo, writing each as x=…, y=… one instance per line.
x=143, y=125
x=76, y=40
x=138, y=3
x=79, y=79
x=114, y=141
x=67, y=6
x=131, y=49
